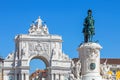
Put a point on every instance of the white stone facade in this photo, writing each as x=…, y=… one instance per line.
x=37, y=44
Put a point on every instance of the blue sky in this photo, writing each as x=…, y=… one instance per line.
x=65, y=18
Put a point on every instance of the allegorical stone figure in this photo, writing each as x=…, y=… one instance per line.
x=88, y=29
x=75, y=70
x=105, y=68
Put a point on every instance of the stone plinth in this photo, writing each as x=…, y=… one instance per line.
x=90, y=61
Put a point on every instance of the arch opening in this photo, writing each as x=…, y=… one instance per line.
x=38, y=67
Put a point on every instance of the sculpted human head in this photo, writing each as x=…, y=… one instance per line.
x=89, y=12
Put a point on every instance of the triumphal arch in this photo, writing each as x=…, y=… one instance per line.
x=37, y=44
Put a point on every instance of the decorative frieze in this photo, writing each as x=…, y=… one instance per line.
x=36, y=47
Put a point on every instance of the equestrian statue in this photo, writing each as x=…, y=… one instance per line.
x=89, y=29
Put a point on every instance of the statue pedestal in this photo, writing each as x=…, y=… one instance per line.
x=91, y=77
x=90, y=61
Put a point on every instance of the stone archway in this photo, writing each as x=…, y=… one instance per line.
x=37, y=44
x=40, y=73
x=41, y=58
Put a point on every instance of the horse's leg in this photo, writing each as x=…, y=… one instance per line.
x=89, y=35
x=91, y=38
x=86, y=38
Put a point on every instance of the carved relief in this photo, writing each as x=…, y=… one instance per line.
x=92, y=53
x=23, y=50
x=31, y=46
x=37, y=47
x=57, y=52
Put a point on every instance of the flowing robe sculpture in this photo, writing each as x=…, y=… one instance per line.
x=75, y=70
x=105, y=68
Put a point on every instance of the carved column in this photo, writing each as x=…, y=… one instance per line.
x=61, y=77
x=52, y=76
x=27, y=76
x=22, y=75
